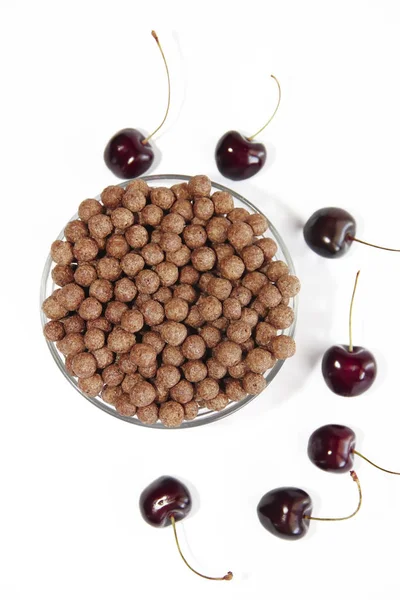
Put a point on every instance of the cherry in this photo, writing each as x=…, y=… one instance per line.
x=331, y=231
x=349, y=370
x=239, y=157
x=286, y=512
x=128, y=154
x=166, y=501
x=332, y=448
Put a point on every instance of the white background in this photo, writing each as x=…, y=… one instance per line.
x=74, y=73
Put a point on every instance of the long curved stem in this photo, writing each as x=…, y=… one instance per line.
x=273, y=114
x=351, y=314
x=226, y=577
x=355, y=478
x=155, y=36
x=373, y=245
x=375, y=465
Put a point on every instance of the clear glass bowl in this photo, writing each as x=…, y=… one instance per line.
x=205, y=416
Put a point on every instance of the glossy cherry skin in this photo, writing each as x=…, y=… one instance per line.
x=348, y=373
x=239, y=158
x=282, y=511
x=126, y=156
x=329, y=232
x=331, y=448
x=163, y=498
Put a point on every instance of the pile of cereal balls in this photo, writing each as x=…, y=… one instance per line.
x=169, y=300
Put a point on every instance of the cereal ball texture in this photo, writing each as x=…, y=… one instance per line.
x=53, y=309
x=203, y=259
x=132, y=320
x=210, y=308
x=218, y=403
x=242, y=294
x=172, y=355
x=91, y=386
x=113, y=375
x=223, y=202
x=234, y=390
x=85, y=275
x=54, y=331
x=171, y=414
x=147, y=281
x=143, y=355
x=124, y=407
x=162, y=197
x=117, y=246
x=61, y=252
x=100, y=226
x=132, y=264
x=84, y=364
x=75, y=230
x=168, y=273
x=86, y=249
x=268, y=246
x=199, y=185
x=71, y=296
x=134, y=200
x=148, y=414
x=215, y=369
x=253, y=257
x=168, y=376
x=173, y=222
x=189, y=275
x=104, y=357
x=94, y=339
x=194, y=370
x=108, y=268
x=137, y=236
x=152, y=254
x=265, y=332
x=120, y=341
x=238, y=371
x=276, y=269
x=259, y=360
x=282, y=347
x=62, y=274
x=281, y=316
x=102, y=290
x=219, y=287
x=191, y=410
x=232, y=268
x=125, y=290
x=238, y=214
x=269, y=295
x=228, y=353
x=238, y=332
x=111, y=394
x=253, y=383
x=126, y=365
x=211, y=336
x=217, y=229
x=74, y=324
x=203, y=208
x=232, y=309
x=193, y=347
x=194, y=236
x=142, y=394
x=153, y=312
x=89, y=208
x=288, y=285
x=173, y=333
x=176, y=309
x=122, y=218
x=182, y=392
x=258, y=223
x=112, y=196
x=240, y=234
x=254, y=282
x=208, y=388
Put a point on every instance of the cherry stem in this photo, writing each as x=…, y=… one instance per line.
x=273, y=114
x=374, y=465
x=373, y=245
x=155, y=36
x=355, y=478
x=226, y=577
x=351, y=314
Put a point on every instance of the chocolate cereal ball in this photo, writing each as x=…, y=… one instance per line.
x=260, y=308
x=142, y=394
x=218, y=403
x=203, y=259
x=54, y=331
x=281, y=316
x=182, y=392
x=217, y=229
x=238, y=332
x=111, y=394
x=94, y=339
x=124, y=407
x=199, y=185
x=269, y=295
x=186, y=292
x=181, y=191
x=173, y=333
x=71, y=296
x=203, y=208
x=126, y=365
x=151, y=215
x=132, y=320
x=223, y=251
x=141, y=299
x=89, y=208
x=130, y=381
x=173, y=223
x=137, y=236
x=148, y=372
x=91, y=386
x=170, y=243
x=253, y=257
x=232, y=309
x=240, y=234
x=210, y=308
x=184, y=208
x=194, y=236
x=276, y=269
x=138, y=185
x=194, y=318
x=143, y=355
x=153, y=312
x=75, y=230
x=238, y=371
x=74, y=324
x=254, y=282
x=61, y=252
x=152, y=254
x=268, y=246
x=189, y=275
x=219, y=287
x=288, y=285
x=102, y=290
x=232, y=268
x=221, y=323
x=152, y=338
x=168, y=376
x=132, y=264
x=112, y=195
x=168, y=273
x=204, y=280
x=176, y=309
x=122, y=218
x=148, y=414
x=258, y=223
x=162, y=197
x=62, y=274
x=223, y=202
x=163, y=294
x=53, y=309
x=253, y=383
x=172, y=355
x=259, y=360
x=207, y=389
x=125, y=290
x=71, y=344
x=147, y=281
x=193, y=347
x=113, y=375
x=249, y=316
x=85, y=275
x=194, y=370
x=171, y=414
x=282, y=347
x=191, y=410
x=104, y=357
x=264, y=333
x=114, y=311
x=238, y=214
x=234, y=390
x=120, y=341
x=100, y=226
x=228, y=353
x=84, y=364
x=108, y=268
x=211, y=336
x=247, y=345
x=242, y=294
x=117, y=246
x=85, y=249
x=179, y=257
x=134, y=200
x=215, y=369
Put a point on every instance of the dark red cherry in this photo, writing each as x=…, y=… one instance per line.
x=239, y=158
x=166, y=497
x=329, y=232
x=283, y=512
x=331, y=448
x=126, y=155
x=349, y=373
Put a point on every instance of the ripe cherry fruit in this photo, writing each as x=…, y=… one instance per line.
x=349, y=370
x=163, y=503
x=128, y=154
x=239, y=157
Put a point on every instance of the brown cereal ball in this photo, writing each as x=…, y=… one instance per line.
x=61, y=252
x=217, y=229
x=132, y=321
x=276, y=269
x=74, y=324
x=193, y=347
x=173, y=333
x=259, y=360
x=147, y=282
x=114, y=311
x=281, y=316
x=120, y=341
x=221, y=323
x=210, y=308
x=254, y=282
x=181, y=191
x=268, y=246
x=203, y=209
x=134, y=200
x=218, y=403
x=130, y=381
x=152, y=254
x=54, y=331
x=148, y=414
x=94, y=339
x=85, y=275
x=91, y=386
x=249, y=316
x=170, y=243
x=162, y=394
x=238, y=332
x=122, y=218
x=117, y=246
x=108, y=268
x=207, y=389
x=199, y=185
x=113, y=375
x=194, y=370
x=101, y=243
x=288, y=285
x=269, y=295
x=211, y=336
x=172, y=223
x=242, y=294
x=102, y=290
x=182, y=392
x=138, y=185
x=223, y=202
x=248, y=345
x=126, y=365
x=171, y=414
x=260, y=308
x=53, y=309
x=238, y=214
x=234, y=390
x=223, y=251
x=100, y=323
x=141, y=299
x=56, y=295
x=219, y=287
x=148, y=372
x=194, y=236
x=191, y=410
x=215, y=369
x=143, y=355
x=163, y=294
x=168, y=376
x=168, y=274
x=137, y=236
x=258, y=223
x=194, y=318
x=253, y=383
x=62, y=274
x=228, y=353
x=124, y=407
x=89, y=208
x=179, y=257
x=75, y=230
x=238, y=371
x=111, y=394
x=204, y=281
x=86, y=249
x=84, y=364
x=104, y=357
x=183, y=208
x=186, y=292
x=100, y=226
x=203, y=259
x=282, y=347
x=153, y=312
x=172, y=355
x=142, y=394
x=152, y=338
x=71, y=344
x=125, y=290
x=112, y=195
x=197, y=221
x=151, y=215
x=132, y=264
x=162, y=197
x=176, y=309
x=253, y=257
x=240, y=234
x=264, y=333
x=232, y=267
x=189, y=275
x=232, y=309
x=71, y=296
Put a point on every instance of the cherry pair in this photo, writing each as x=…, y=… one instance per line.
x=286, y=512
